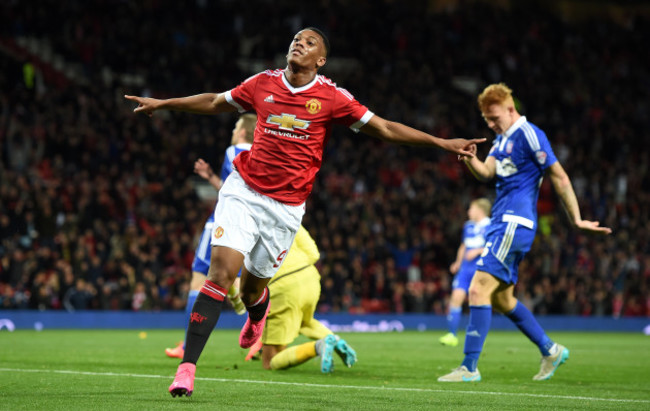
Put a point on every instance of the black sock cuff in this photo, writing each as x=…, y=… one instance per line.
x=256, y=312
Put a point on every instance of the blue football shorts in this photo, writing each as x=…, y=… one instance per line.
x=506, y=245
x=464, y=276
x=201, y=262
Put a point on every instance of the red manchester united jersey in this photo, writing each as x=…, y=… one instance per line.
x=293, y=126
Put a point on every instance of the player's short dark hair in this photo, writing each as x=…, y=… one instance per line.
x=326, y=41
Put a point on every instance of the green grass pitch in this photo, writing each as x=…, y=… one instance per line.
x=118, y=369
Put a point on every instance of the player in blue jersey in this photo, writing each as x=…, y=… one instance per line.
x=519, y=157
x=464, y=266
x=242, y=139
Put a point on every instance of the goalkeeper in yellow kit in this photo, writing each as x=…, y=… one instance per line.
x=295, y=290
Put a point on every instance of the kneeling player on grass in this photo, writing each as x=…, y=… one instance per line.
x=295, y=291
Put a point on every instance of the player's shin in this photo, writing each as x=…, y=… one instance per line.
x=293, y=356
x=257, y=310
x=204, y=317
x=453, y=319
x=480, y=317
x=526, y=322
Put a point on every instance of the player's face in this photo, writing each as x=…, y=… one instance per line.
x=473, y=212
x=470, y=210
x=307, y=49
x=239, y=126
x=499, y=117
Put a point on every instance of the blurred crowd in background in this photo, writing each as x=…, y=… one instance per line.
x=98, y=206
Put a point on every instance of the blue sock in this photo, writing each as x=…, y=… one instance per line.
x=191, y=298
x=480, y=317
x=453, y=318
x=526, y=322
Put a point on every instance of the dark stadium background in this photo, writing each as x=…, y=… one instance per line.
x=99, y=208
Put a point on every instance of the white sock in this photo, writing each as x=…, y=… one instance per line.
x=319, y=346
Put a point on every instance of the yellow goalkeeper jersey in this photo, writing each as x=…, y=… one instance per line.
x=302, y=254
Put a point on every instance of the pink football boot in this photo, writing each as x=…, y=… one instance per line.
x=184, y=381
x=252, y=331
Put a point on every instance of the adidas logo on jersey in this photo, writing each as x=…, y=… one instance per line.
x=269, y=99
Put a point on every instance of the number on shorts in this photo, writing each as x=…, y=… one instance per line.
x=279, y=259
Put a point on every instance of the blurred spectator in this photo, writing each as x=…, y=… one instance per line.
x=79, y=297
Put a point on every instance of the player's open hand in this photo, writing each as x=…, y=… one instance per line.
x=593, y=227
x=146, y=105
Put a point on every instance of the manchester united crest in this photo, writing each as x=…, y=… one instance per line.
x=218, y=232
x=313, y=106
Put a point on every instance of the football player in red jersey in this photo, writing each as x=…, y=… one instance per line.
x=262, y=203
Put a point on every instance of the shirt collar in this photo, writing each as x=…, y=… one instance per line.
x=295, y=90
x=514, y=127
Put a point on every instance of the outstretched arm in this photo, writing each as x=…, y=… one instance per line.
x=564, y=189
x=207, y=103
x=399, y=133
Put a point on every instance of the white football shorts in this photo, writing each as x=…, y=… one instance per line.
x=258, y=226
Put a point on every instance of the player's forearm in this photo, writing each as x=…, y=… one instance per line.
x=460, y=254
x=479, y=169
x=403, y=134
x=215, y=182
x=198, y=104
x=564, y=190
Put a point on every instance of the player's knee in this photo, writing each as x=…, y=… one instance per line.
x=198, y=279
x=478, y=296
x=273, y=365
x=221, y=275
x=457, y=298
x=504, y=303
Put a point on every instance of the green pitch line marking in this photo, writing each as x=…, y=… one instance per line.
x=353, y=387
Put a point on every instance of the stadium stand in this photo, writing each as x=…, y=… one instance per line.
x=96, y=205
